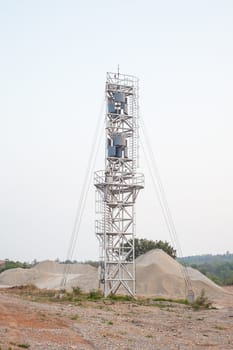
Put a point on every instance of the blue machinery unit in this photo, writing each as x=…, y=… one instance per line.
x=118, y=185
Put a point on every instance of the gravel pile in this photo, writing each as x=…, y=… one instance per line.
x=159, y=274
x=49, y=274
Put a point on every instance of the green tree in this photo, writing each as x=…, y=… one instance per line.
x=143, y=245
x=10, y=264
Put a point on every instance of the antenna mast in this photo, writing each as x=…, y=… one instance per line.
x=118, y=185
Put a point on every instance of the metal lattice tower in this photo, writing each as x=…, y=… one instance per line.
x=118, y=185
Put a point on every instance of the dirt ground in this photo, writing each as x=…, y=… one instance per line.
x=112, y=325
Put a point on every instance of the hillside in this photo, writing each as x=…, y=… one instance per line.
x=206, y=259
x=219, y=268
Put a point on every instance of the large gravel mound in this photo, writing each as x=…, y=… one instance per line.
x=49, y=274
x=159, y=274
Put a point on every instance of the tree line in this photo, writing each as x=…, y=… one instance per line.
x=219, y=272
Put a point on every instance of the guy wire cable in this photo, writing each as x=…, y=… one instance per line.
x=162, y=195
x=83, y=197
x=158, y=194
x=167, y=221
x=163, y=203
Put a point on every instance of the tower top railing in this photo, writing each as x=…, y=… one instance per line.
x=122, y=79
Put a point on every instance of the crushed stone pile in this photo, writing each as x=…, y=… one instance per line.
x=49, y=274
x=157, y=274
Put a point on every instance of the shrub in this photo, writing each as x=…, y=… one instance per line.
x=95, y=294
x=77, y=290
x=202, y=302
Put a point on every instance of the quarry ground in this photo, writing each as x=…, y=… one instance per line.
x=112, y=325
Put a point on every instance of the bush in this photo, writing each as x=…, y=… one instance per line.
x=95, y=294
x=77, y=290
x=202, y=302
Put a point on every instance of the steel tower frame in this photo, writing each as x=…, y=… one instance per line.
x=118, y=185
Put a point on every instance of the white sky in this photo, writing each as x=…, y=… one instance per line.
x=53, y=61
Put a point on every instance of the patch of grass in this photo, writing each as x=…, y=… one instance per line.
x=95, y=295
x=164, y=303
x=25, y=346
x=220, y=328
x=149, y=336
x=42, y=315
x=75, y=317
x=105, y=308
x=34, y=293
x=169, y=309
x=78, y=297
x=177, y=301
x=110, y=323
x=159, y=304
x=77, y=291
x=119, y=297
x=63, y=291
x=123, y=332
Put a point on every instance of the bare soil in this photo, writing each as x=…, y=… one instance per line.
x=112, y=325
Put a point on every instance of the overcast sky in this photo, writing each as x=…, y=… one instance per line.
x=54, y=56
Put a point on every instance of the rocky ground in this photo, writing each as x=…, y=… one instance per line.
x=112, y=325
